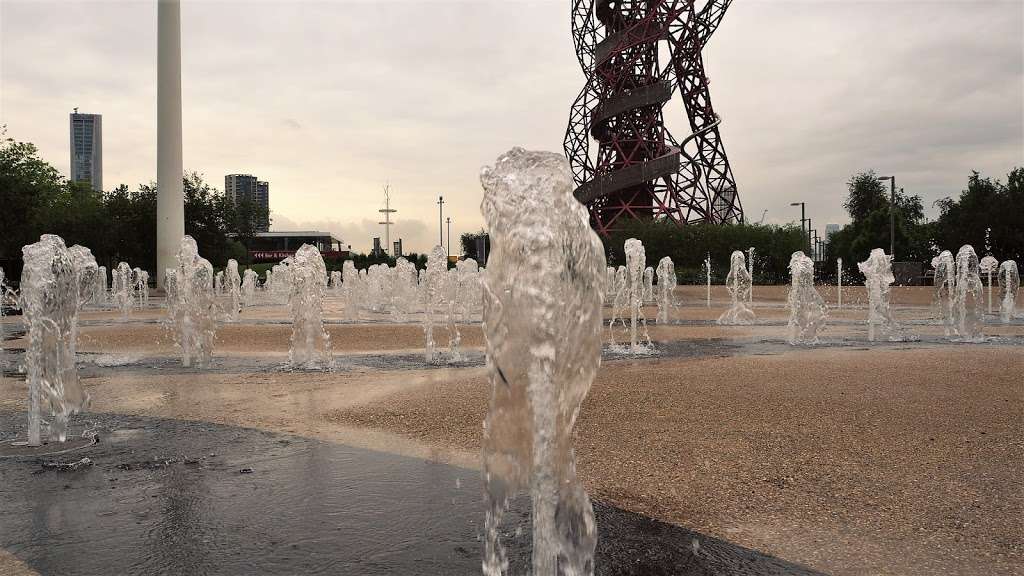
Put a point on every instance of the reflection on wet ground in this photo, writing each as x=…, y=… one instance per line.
x=161, y=496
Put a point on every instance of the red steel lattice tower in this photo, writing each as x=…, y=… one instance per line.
x=638, y=169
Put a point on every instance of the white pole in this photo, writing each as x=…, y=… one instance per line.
x=170, y=198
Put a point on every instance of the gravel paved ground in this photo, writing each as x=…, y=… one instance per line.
x=848, y=461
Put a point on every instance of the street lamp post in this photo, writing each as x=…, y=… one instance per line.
x=449, y=221
x=803, y=214
x=440, y=219
x=892, y=213
x=810, y=238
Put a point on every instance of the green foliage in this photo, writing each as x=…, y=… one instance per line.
x=985, y=204
x=688, y=246
x=119, y=225
x=26, y=183
x=868, y=205
x=468, y=241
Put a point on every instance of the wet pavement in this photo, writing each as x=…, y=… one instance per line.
x=164, y=496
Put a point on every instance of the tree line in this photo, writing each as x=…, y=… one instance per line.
x=988, y=214
x=117, y=225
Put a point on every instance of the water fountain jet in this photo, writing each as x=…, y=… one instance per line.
x=543, y=333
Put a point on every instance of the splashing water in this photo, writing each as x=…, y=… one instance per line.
x=666, y=289
x=967, y=304
x=234, y=288
x=636, y=262
x=141, y=279
x=945, y=290
x=990, y=266
x=750, y=269
x=738, y=282
x=335, y=283
x=620, y=300
x=839, y=282
x=648, y=284
x=707, y=271
x=193, y=305
x=310, y=343
x=543, y=333
x=218, y=283
x=1009, y=285
x=807, y=311
x=350, y=283
x=433, y=296
x=50, y=302
x=248, y=288
x=450, y=293
x=122, y=287
x=878, y=279
x=100, y=291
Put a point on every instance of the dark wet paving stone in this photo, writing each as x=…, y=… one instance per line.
x=163, y=496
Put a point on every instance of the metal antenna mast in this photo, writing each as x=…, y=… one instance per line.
x=387, y=211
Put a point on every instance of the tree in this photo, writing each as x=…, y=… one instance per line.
x=690, y=245
x=27, y=183
x=469, y=240
x=988, y=215
x=868, y=203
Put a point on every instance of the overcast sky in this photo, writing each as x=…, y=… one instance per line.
x=330, y=100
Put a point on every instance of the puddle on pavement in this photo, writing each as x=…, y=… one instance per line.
x=162, y=496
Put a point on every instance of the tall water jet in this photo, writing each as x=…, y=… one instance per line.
x=433, y=296
x=967, y=303
x=218, y=284
x=878, y=279
x=468, y=297
x=1009, y=285
x=248, y=288
x=666, y=288
x=543, y=333
x=50, y=303
x=310, y=343
x=619, y=297
x=350, y=282
x=450, y=294
x=193, y=308
x=707, y=272
x=945, y=290
x=609, y=282
x=100, y=291
x=839, y=283
x=648, y=284
x=807, y=312
x=335, y=283
x=636, y=262
x=233, y=285
x=989, y=265
x=750, y=269
x=122, y=287
x=141, y=287
x=738, y=282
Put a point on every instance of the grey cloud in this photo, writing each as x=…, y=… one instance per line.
x=422, y=94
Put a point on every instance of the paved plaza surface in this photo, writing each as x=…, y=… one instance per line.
x=727, y=451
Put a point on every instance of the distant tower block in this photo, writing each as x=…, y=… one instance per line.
x=639, y=170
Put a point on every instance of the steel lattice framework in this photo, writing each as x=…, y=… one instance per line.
x=639, y=170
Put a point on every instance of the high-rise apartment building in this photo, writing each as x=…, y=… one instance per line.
x=87, y=149
x=248, y=188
